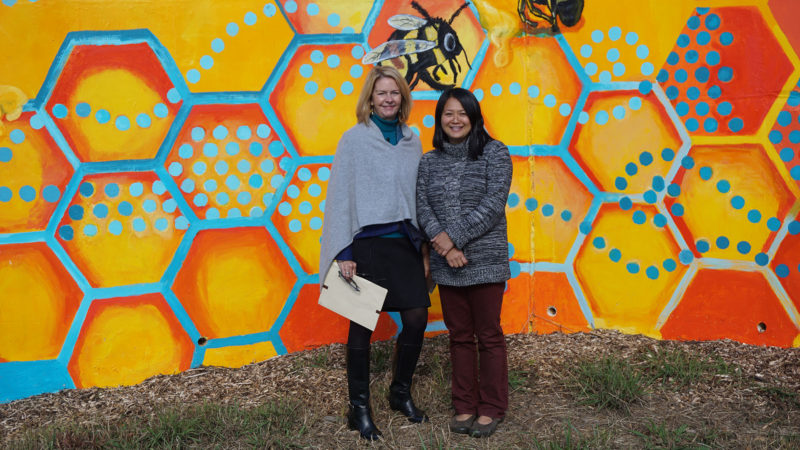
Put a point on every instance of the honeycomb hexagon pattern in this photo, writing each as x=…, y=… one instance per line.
x=162, y=191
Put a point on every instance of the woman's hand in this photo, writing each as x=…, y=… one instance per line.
x=348, y=268
x=455, y=258
x=442, y=243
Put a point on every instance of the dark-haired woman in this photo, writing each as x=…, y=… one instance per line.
x=462, y=188
x=370, y=229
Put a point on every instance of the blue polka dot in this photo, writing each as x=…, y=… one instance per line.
x=736, y=124
x=60, y=111
x=210, y=185
x=605, y=77
x=754, y=216
x=200, y=200
x=83, y=109
x=645, y=87
x=724, y=108
x=583, y=117
x=100, y=211
x=646, y=158
x=725, y=74
x=333, y=61
x=185, y=151
x=620, y=183
x=275, y=149
x=125, y=208
x=693, y=93
x=66, y=232
x=705, y=173
x=198, y=134
x=795, y=173
x=782, y=270
x=702, y=74
x=625, y=203
x=669, y=265
x=631, y=38
x=161, y=224
x=723, y=186
x=315, y=223
x=683, y=41
x=51, y=194
x=632, y=267
x=187, y=185
x=75, y=212
x=674, y=190
x=601, y=117
x=232, y=182
x=347, y=88
x=652, y=272
x=712, y=58
x=737, y=202
x=612, y=55
x=566, y=215
x=531, y=204
x=647, y=69
x=232, y=29
x=276, y=181
x=682, y=108
x=703, y=38
x=86, y=189
x=90, y=230
x=334, y=20
x=794, y=99
x=193, y=76
x=615, y=255
x=311, y=88
x=614, y=33
x=710, y=125
x=217, y=45
x=263, y=131
x=284, y=209
x=5, y=194
x=635, y=103
x=693, y=23
x=270, y=10
x=586, y=50
x=267, y=166
x=658, y=183
x=102, y=116
x=631, y=169
x=660, y=220
x=650, y=197
x=221, y=167
x=597, y=36
x=149, y=205
x=618, y=112
x=6, y=154
x=794, y=227
x=667, y=154
x=677, y=210
x=681, y=75
x=722, y=242
x=143, y=120
x=714, y=92
x=256, y=149
x=244, y=197
x=685, y=257
x=206, y=62
x=223, y=198
x=329, y=93
x=160, y=110
x=122, y=123
x=317, y=56
x=639, y=217
x=773, y=224
x=356, y=70
x=702, y=246
x=794, y=137
x=250, y=18
x=220, y=132
x=234, y=212
x=672, y=92
x=550, y=100
x=743, y=247
x=692, y=124
x=314, y=190
x=687, y=162
x=599, y=242
x=642, y=51
x=515, y=88
x=712, y=22
x=37, y=121
x=673, y=58
x=762, y=259
x=181, y=223
x=585, y=227
x=199, y=168
x=112, y=190
x=547, y=210
x=590, y=69
x=513, y=200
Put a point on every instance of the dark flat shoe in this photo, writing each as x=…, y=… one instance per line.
x=461, y=426
x=479, y=430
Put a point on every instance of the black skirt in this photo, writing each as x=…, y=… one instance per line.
x=396, y=265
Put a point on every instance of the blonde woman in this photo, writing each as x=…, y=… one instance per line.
x=370, y=229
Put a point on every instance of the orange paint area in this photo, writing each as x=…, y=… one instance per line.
x=623, y=128
x=122, y=228
x=720, y=304
x=227, y=161
x=126, y=340
x=516, y=313
x=315, y=98
x=33, y=175
x=555, y=308
x=309, y=325
x=233, y=282
x=423, y=122
x=732, y=195
x=299, y=214
x=38, y=303
x=111, y=102
x=533, y=109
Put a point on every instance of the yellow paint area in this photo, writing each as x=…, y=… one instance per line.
x=709, y=213
x=658, y=35
x=185, y=27
x=104, y=142
x=606, y=149
x=619, y=299
x=518, y=217
x=554, y=184
x=314, y=122
x=234, y=282
x=123, y=344
x=239, y=355
x=502, y=22
x=37, y=305
x=130, y=257
x=520, y=115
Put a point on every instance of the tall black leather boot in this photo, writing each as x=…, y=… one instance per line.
x=358, y=417
x=405, y=362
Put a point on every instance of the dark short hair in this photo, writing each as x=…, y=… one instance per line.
x=478, y=136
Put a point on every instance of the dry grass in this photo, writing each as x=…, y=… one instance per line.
x=718, y=394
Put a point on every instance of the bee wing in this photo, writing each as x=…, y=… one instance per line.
x=393, y=49
x=406, y=22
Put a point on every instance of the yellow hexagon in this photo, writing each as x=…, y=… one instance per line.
x=239, y=355
x=628, y=270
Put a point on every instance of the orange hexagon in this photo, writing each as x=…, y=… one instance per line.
x=547, y=94
x=34, y=174
x=786, y=263
x=233, y=282
x=113, y=102
x=299, y=214
x=312, y=16
x=316, y=96
x=719, y=304
x=628, y=268
x=624, y=140
x=516, y=314
x=128, y=339
x=731, y=201
x=558, y=204
x=555, y=307
x=227, y=161
x=447, y=69
x=122, y=228
x=39, y=301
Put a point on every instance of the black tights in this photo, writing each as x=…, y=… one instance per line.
x=414, y=322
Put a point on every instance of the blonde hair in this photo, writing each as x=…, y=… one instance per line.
x=364, y=105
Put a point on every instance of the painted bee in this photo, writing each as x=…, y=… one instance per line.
x=424, y=48
x=569, y=11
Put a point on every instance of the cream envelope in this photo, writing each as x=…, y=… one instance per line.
x=363, y=306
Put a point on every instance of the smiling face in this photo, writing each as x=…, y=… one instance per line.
x=455, y=122
x=386, y=98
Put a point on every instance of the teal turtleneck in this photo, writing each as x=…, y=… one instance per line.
x=389, y=128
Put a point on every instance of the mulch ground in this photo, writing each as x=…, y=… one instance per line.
x=757, y=407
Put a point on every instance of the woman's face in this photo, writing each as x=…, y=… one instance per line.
x=455, y=123
x=386, y=98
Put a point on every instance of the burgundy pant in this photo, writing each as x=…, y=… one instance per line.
x=470, y=312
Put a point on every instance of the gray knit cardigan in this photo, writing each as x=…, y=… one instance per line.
x=467, y=199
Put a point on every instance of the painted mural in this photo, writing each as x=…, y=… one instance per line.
x=163, y=169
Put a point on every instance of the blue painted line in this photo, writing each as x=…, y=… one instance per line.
x=183, y=317
x=783, y=297
x=519, y=150
x=476, y=64
x=579, y=173
x=677, y=294
x=172, y=188
x=25, y=237
x=168, y=278
x=572, y=124
x=59, y=139
x=303, y=160
x=277, y=127
x=425, y=95
x=174, y=131
x=20, y=379
x=573, y=61
x=294, y=264
x=328, y=39
x=279, y=69
x=198, y=356
x=118, y=166
x=68, y=264
x=372, y=17
x=435, y=326
x=68, y=347
x=286, y=309
x=545, y=150
x=129, y=290
x=729, y=264
x=579, y=295
x=227, y=98
x=232, y=341
x=615, y=86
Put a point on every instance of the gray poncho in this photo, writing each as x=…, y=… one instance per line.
x=372, y=182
